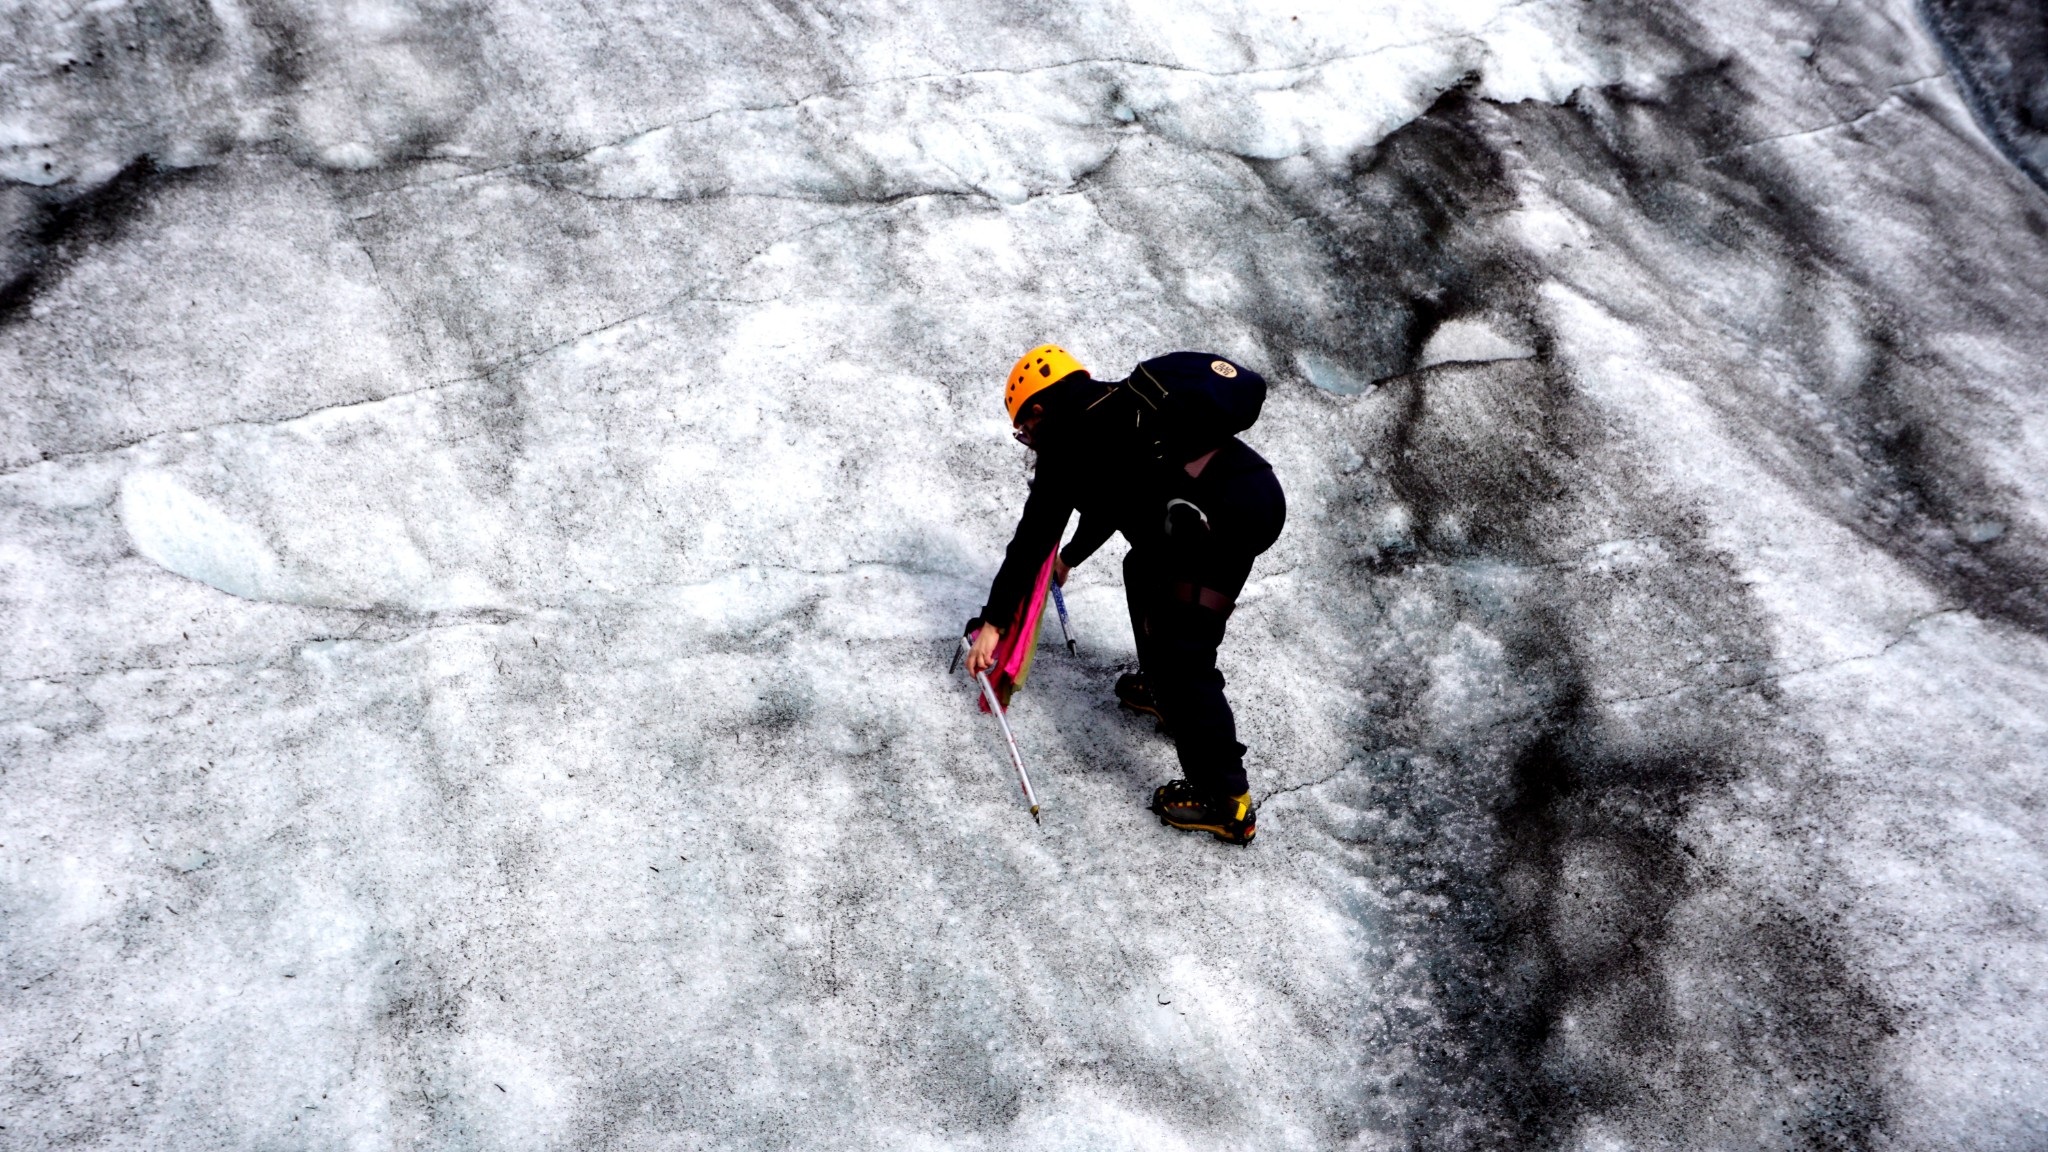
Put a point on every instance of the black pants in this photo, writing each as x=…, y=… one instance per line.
x=1177, y=635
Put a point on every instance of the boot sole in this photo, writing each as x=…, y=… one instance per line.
x=1221, y=832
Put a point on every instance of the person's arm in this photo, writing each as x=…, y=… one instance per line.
x=1092, y=534
x=1046, y=512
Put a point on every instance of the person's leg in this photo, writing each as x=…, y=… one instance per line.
x=1141, y=585
x=1187, y=687
x=1178, y=680
x=1213, y=794
x=1246, y=511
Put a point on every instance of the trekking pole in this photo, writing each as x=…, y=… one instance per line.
x=1060, y=602
x=988, y=692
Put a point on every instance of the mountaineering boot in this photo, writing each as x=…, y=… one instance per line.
x=1132, y=693
x=1186, y=805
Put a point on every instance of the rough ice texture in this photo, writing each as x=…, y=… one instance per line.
x=487, y=495
x=1999, y=50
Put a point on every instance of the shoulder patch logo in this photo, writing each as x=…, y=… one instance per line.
x=1223, y=368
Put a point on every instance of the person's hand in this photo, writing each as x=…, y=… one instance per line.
x=1060, y=568
x=982, y=656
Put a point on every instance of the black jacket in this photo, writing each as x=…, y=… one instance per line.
x=1102, y=451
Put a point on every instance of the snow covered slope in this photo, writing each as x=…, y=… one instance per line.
x=488, y=494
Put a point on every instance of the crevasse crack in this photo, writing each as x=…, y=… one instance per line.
x=565, y=158
x=1905, y=634
x=1837, y=125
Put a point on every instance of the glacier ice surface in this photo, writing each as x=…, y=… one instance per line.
x=485, y=498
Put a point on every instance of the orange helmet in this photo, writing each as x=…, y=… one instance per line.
x=1036, y=370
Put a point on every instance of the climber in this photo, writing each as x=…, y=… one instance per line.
x=1156, y=457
